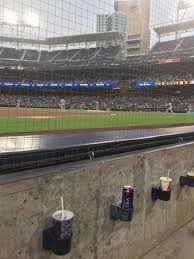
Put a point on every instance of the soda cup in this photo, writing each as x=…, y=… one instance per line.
x=63, y=221
x=127, y=197
x=190, y=175
x=166, y=184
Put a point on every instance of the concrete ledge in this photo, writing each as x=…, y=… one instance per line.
x=28, y=200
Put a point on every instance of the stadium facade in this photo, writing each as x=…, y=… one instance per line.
x=60, y=54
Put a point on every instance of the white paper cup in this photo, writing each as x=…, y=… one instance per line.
x=166, y=184
x=190, y=175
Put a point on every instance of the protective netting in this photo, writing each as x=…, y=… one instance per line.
x=89, y=66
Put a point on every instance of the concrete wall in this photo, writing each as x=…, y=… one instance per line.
x=88, y=190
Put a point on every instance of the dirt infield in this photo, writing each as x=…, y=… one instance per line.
x=40, y=114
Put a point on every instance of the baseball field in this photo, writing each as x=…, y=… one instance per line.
x=26, y=120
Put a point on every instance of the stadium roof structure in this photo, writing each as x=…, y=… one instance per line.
x=21, y=40
x=173, y=27
x=66, y=40
x=81, y=38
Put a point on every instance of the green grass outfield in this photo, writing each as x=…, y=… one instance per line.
x=97, y=120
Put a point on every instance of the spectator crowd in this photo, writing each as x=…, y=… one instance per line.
x=116, y=102
x=167, y=77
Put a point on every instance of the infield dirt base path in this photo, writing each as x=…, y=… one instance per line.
x=30, y=113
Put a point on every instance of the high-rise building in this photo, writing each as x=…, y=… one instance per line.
x=138, y=27
x=102, y=23
x=116, y=21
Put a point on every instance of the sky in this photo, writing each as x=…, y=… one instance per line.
x=57, y=17
x=67, y=17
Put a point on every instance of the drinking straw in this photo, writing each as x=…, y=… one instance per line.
x=168, y=173
x=62, y=207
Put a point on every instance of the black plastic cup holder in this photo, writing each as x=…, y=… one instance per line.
x=56, y=245
x=117, y=212
x=157, y=193
x=186, y=180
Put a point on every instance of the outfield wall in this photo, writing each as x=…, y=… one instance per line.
x=88, y=189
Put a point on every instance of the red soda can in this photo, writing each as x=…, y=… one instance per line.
x=127, y=197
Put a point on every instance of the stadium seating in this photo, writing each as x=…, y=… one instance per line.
x=110, y=55
x=187, y=43
x=61, y=55
x=107, y=53
x=45, y=56
x=165, y=46
x=83, y=55
x=31, y=55
x=168, y=46
x=86, y=54
x=11, y=53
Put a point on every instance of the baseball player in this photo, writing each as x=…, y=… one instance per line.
x=18, y=103
x=170, y=109
x=190, y=109
x=62, y=104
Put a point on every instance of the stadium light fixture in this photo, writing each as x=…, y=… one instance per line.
x=10, y=17
x=31, y=19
